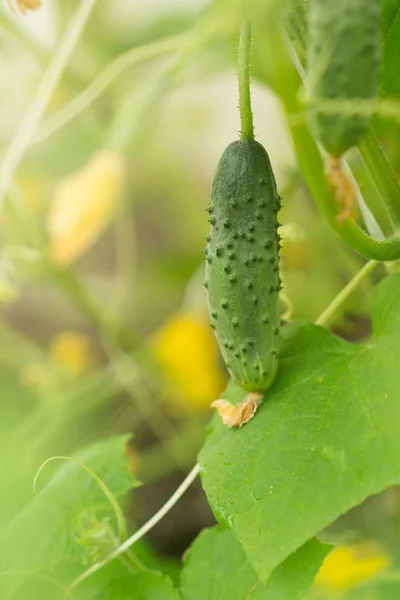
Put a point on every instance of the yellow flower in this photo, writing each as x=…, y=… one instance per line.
x=348, y=566
x=71, y=351
x=187, y=349
x=82, y=206
x=23, y=5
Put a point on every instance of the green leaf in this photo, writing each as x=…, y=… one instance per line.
x=325, y=438
x=216, y=568
x=44, y=533
x=391, y=46
x=142, y=586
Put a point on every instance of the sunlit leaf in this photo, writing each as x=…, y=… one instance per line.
x=325, y=438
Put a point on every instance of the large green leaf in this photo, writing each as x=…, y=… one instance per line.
x=326, y=437
x=216, y=568
x=391, y=46
x=44, y=533
x=142, y=586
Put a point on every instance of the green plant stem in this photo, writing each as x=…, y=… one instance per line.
x=141, y=532
x=246, y=114
x=328, y=313
x=287, y=82
x=382, y=173
x=24, y=134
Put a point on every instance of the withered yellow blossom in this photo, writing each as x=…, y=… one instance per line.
x=348, y=566
x=82, y=207
x=23, y=6
x=239, y=415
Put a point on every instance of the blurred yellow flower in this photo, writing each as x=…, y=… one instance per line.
x=82, y=206
x=23, y=5
x=348, y=566
x=71, y=351
x=187, y=349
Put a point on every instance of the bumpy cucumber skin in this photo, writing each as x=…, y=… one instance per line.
x=343, y=64
x=242, y=264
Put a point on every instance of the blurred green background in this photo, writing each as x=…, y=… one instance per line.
x=104, y=327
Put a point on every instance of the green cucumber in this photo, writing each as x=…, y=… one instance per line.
x=242, y=264
x=343, y=64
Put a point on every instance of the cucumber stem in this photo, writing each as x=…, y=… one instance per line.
x=246, y=114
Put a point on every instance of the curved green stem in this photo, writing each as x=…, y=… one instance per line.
x=382, y=173
x=246, y=114
x=326, y=316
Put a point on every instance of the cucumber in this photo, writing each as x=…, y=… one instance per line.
x=242, y=264
x=343, y=64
